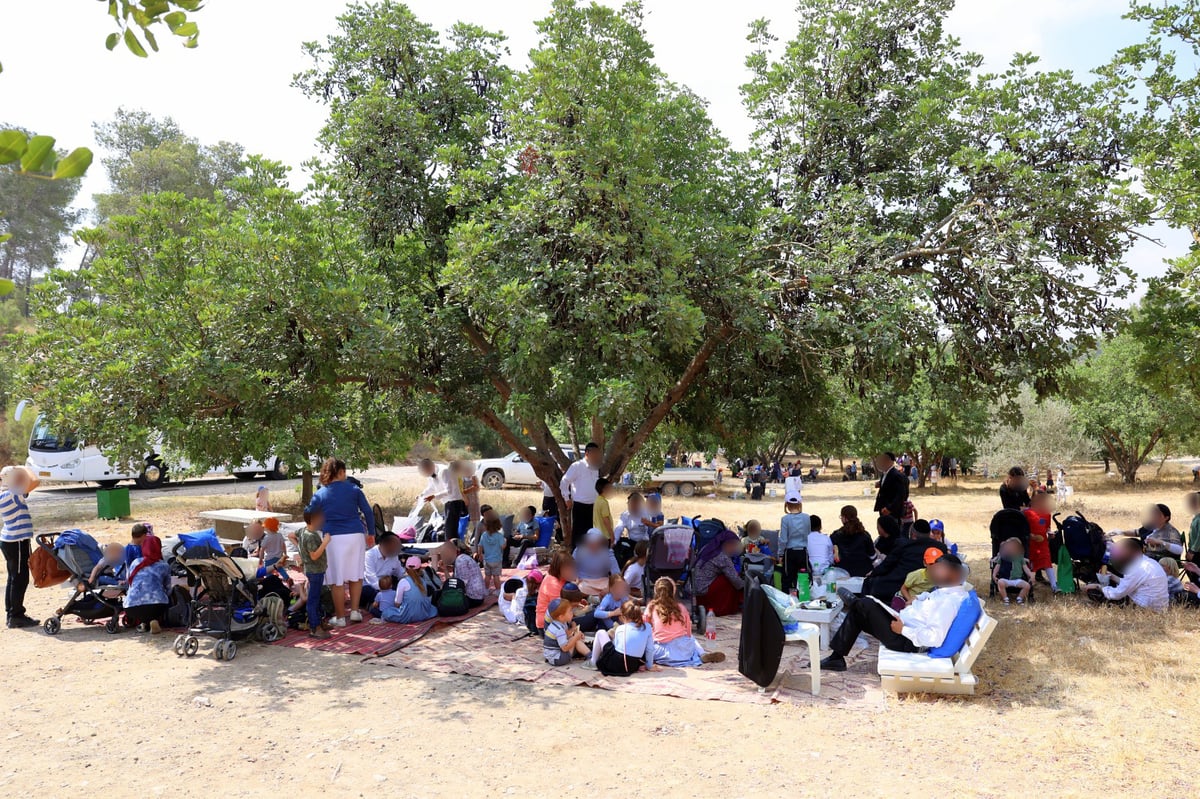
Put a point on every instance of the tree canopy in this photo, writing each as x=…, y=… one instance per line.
x=230, y=329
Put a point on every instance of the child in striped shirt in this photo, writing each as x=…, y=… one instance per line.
x=15, y=484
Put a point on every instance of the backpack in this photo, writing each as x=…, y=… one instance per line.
x=452, y=601
x=179, y=608
x=1083, y=539
x=530, y=611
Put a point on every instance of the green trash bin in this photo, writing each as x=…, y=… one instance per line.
x=112, y=503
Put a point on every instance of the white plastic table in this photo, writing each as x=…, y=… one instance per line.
x=229, y=524
x=823, y=619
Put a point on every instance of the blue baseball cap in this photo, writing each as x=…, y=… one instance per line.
x=937, y=524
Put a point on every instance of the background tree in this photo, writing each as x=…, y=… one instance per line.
x=1123, y=408
x=1041, y=434
x=34, y=227
x=931, y=206
x=232, y=327
x=930, y=416
x=145, y=155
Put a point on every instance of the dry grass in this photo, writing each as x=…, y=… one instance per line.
x=1074, y=700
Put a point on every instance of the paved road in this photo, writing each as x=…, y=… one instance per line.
x=377, y=477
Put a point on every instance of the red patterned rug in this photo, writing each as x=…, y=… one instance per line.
x=375, y=638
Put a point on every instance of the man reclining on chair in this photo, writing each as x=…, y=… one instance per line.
x=921, y=625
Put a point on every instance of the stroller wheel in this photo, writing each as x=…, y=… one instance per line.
x=112, y=626
x=178, y=645
x=701, y=619
x=191, y=646
x=52, y=625
x=269, y=632
x=230, y=650
x=219, y=650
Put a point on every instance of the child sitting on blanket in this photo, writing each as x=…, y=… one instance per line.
x=636, y=570
x=610, y=606
x=562, y=640
x=629, y=648
x=386, y=595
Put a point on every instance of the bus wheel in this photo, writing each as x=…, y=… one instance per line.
x=154, y=474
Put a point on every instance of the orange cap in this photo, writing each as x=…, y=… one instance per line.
x=931, y=554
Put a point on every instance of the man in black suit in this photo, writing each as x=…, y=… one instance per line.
x=893, y=487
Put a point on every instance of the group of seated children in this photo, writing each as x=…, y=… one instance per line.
x=626, y=638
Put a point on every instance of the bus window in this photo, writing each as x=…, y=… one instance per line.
x=44, y=439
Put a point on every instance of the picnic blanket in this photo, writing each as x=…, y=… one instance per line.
x=484, y=647
x=375, y=638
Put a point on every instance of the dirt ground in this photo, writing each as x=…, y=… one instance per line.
x=1074, y=701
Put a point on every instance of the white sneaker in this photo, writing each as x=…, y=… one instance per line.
x=355, y=616
x=337, y=621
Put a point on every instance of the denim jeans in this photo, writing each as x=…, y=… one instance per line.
x=313, y=603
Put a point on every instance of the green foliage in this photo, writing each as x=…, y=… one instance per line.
x=33, y=229
x=559, y=244
x=1044, y=435
x=234, y=332
x=149, y=17
x=1121, y=403
x=35, y=156
x=145, y=155
x=930, y=416
x=931, y=206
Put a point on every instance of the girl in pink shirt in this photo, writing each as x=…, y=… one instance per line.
x=672, y=627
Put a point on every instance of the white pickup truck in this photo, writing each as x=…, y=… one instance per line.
x=513, y=470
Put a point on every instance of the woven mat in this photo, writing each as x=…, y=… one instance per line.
x=484, y=647
x=375, y=638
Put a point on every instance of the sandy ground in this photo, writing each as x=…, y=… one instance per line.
x=1074, y=701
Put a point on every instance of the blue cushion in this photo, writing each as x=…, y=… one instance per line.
x=201, y=538
x=546, y=530
x=960, y=629
x=687, y=522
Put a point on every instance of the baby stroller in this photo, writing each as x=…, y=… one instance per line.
x=223, y=603
x=1006, y=524
x=672, y=554
x=1085, y=543
x=77, y=553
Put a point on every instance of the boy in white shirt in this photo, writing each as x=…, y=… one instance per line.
x=820, y=546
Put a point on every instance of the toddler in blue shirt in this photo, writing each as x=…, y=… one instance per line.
x=610, y=607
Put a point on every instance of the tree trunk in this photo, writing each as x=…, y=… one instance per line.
x=306, y=486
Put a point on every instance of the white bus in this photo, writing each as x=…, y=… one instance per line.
x=59, y=458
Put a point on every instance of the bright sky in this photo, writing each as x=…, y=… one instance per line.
x=58, y=78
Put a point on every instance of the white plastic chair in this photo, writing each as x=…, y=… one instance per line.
x=809, y=634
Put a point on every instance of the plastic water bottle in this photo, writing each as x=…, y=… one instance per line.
x=710, y=626
x=830, y=583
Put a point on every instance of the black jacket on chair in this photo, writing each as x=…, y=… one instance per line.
x=761, y=646
x=893, y=493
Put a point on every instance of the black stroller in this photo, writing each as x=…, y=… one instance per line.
x=1006, y=524
x=77, y=553
x=1085, y=543
x=223, y=604
x=673, y=554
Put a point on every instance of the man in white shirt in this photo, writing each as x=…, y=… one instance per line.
x=1142, y=581
x=383, y=558
x=921, y=625
x=578, y=487
x=435, y=487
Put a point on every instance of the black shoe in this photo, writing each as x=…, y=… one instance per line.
x=833, y=663
x=16, y=622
